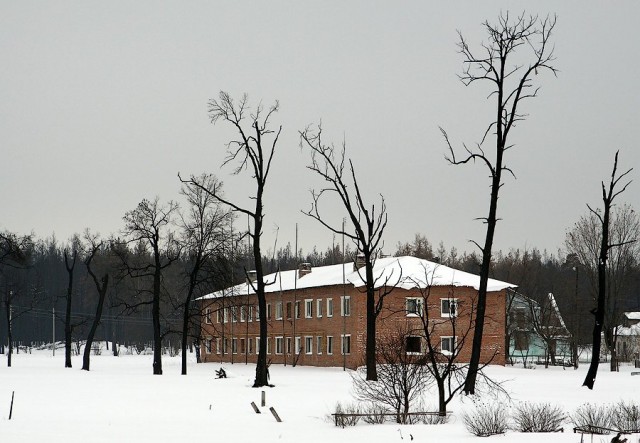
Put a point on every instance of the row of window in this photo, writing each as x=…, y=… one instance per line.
x=448, y=307
x=245, y=313
x=413, y=345
x=303, y=345
x=414, y=307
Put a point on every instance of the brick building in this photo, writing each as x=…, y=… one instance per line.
x=317, y=316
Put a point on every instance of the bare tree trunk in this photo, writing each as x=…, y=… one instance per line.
x=9, y=329
x=68, y=328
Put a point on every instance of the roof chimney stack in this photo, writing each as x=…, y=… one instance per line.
x=252, y=276
x=304, y=269
x=360, y=262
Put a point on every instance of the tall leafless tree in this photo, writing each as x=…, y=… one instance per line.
x=254, y=150
x=102, y=284
x=609, y=192
x=70, y=255
x=367, y=224
x=512, y=82
x=147, y=227
x=203, y=238
x=584, y=242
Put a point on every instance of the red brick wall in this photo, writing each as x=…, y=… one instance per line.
x=391, y=318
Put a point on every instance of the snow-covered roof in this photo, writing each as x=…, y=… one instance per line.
x=632, y=315
x=404, y=272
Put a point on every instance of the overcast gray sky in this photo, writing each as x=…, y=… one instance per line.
x=103, y=103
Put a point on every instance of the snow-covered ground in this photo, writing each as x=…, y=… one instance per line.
x=120, y=400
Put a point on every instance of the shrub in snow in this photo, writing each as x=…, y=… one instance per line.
x=487, y=419
x=591, y=415
x=375, y=413
x=625, y=416
x=538, y=417
x=346, y=420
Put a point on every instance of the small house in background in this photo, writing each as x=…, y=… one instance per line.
x=536, y=331
x=317, y=315
x=628, y=341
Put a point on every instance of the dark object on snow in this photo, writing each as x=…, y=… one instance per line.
x=618, y=439
x=221, y=373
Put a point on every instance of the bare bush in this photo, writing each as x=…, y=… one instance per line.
x=347, y=420
x=538, y=417
x=487, y=419
x=375, y=414
x=625, y=416
x=591, y=415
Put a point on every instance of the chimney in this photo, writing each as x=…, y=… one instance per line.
x=304, y=269
x=359, y=262
x=252, y=276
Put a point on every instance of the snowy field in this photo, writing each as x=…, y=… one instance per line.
x=121, y=401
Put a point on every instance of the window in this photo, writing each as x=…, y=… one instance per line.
x=346, y=344
x=329, y=307
x=308, y=345
x=519, y=317
x=279, y=310
x=257, y=312
x=257, y=345
x=279, y=345
x=268, y=311
x=413, y=345
x=250, y=346
x=319, y=308
x=225, y=346
x=345, y=308
x=217, y=346
x=250, y=313
x=289, y=345
x=226, y=316
x=319, y=344
x=219, y=316
x=298, y=345
x=243, y=348
x=414, y=306
x=447, y=345
x=288, y=310
x=308, y=308
x=234, y=345
x=297, y=309
x=243, y=314
x=207, y=317
x=234, y=314
x=448, y=307
x=268, y=346
x=207, y=345
x=329, y=344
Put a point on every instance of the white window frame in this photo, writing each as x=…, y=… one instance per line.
x=279, y=345
x=345, y=306
x=219, y=315
x=344, y=339
x=249, y=346
x=250, y=313
x=297, y=310
x=234, y=345
x=279, y=310
x=319, y=344
x=207, y=345
x=268, y=345
x=319, y=308
x=243, y=314
x=308, y=344
x=330, y=307
x=234, y=314
x=451, y=301
x=308, y=308
x=298, y=345
x=268, y=313
x=329, y=344
x=289, y=346
x=452, y=342
x=419, y=305
x=218, y=345
x=225, y=317
x=257, y=345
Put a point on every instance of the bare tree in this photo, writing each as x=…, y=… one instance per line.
x=512, y=82
x=607, y=243
x=402, y=375
x=367, y=225
x=251, y=150
x=70, y=256
x=101, y=284
x=584, y=241
x=203, y=238
x=147, y=227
